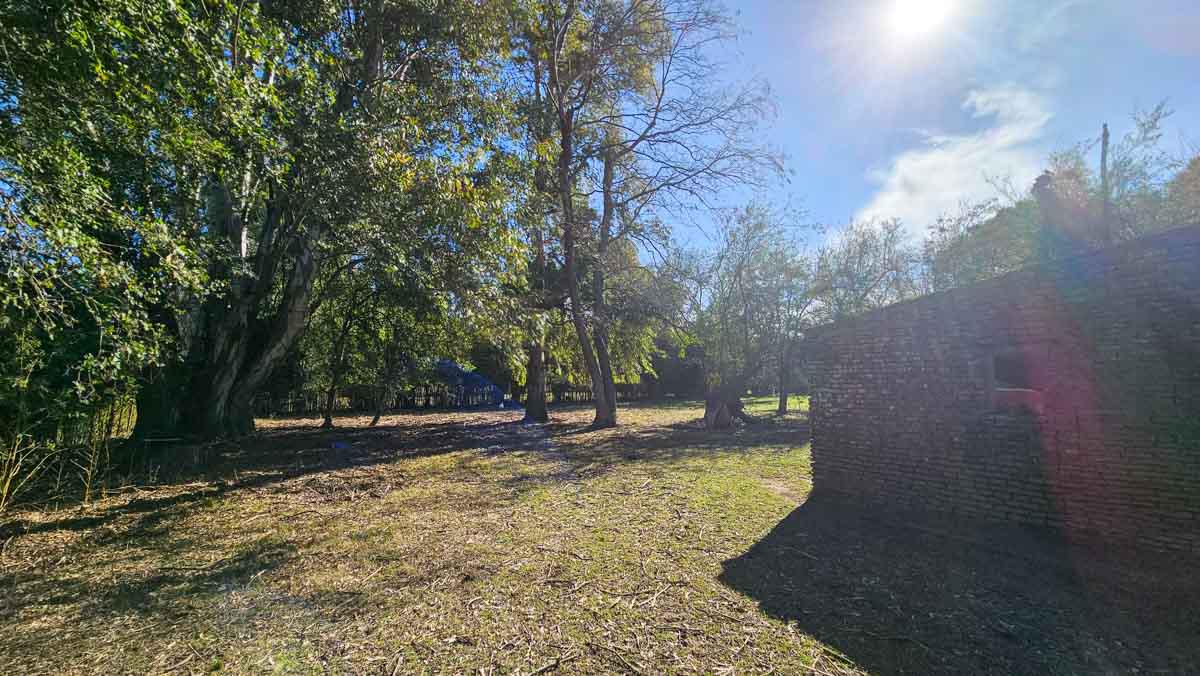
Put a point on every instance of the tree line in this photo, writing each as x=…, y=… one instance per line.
x=207, y=200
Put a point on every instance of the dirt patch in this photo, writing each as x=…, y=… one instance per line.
x=784, y=490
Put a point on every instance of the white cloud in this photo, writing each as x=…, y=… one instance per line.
x=1043, y=24
x=921, y=184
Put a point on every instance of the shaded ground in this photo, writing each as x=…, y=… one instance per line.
x=898, y=599
x=466, y=542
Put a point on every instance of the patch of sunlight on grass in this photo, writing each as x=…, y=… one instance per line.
x=797, y=403
x=741, y=488
x=539, y=497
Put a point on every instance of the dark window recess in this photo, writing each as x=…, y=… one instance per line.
x=1011, y=371
x=1015, y=389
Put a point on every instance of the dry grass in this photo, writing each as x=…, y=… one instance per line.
x=432, y=543
x=469, y=543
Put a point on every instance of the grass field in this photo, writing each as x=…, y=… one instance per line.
x=441, y=542
x=468, y=543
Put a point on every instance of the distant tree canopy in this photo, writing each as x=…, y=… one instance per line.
x=1070, y=208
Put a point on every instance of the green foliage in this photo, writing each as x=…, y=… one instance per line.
x=980, y=242
x=87, y=250
x=178, y=177
x=1183, y=195
x=867, y=265
x=759, y=293
x=1064, y=212
x=94, y=113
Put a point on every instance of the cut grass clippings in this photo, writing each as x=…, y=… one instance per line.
x=451, y=542
x=466, y=542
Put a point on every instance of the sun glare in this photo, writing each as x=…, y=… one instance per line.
x=913, y=19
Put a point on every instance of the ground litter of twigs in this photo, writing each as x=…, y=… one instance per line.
x=466, y=542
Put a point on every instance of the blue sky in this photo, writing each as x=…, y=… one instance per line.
x=882, y=112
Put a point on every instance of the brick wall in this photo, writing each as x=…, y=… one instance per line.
x=1066, y=395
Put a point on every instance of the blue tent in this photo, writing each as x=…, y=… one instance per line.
x=470, y=388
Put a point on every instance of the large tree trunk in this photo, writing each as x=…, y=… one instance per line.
x=228, y=415
x=723, y=405
x=238, y=376
x=158, y=403
x=237, y=348
x=600, y=316
x=535, y=384
x=235, y=355
x=608, y=385
x=604, y=415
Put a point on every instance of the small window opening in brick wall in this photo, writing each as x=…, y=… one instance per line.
x=1014, y=388
x=1011, y=371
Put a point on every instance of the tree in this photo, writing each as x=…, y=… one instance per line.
x=758, y=296
x=1069, y=209
x=425, y=278
x=638, y=124
x=178, y=178
x=95, y=137
x=390, y=115
x=1183, y=196
x=543, y=294
x=867, y=265
x=980, y=241
x=334, y=333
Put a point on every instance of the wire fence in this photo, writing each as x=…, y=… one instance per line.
x=428, y=396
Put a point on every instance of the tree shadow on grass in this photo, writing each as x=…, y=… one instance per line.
x=152, y=555
x=674, y=442
x=162, y=592
x=341, y=463
x=154, y=508
x=193, y=474
x=143, y=559
x=901, y=600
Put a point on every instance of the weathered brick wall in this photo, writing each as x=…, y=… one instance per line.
x=906, y=413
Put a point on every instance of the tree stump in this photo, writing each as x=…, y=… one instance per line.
x=722, y=407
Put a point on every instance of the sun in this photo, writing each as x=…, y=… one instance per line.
x=913, y=19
